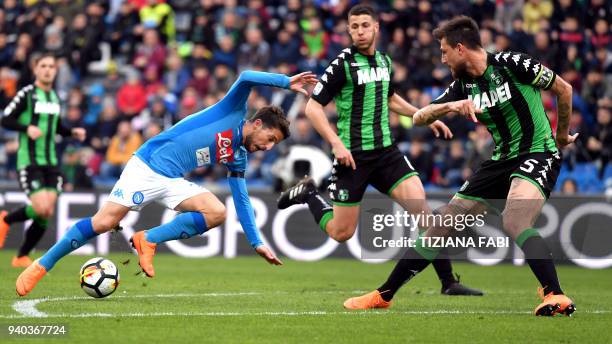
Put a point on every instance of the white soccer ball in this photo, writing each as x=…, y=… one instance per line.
x=99, y=277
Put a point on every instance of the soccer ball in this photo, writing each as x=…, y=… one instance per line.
x=99, y=277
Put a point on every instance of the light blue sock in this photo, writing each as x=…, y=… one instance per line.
x=77, y=236
x=184, y=225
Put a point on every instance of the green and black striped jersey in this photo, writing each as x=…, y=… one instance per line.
x=34, y=106
x=509, y=95
x=361, y=86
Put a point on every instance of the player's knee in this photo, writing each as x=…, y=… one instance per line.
x=512, y=226
x=341, y=233
x=103, y=224
x=342, y=236
x=215, y=215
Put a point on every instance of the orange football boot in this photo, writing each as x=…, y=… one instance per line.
x=28, y=279
x=554, y=304
x=146, y=251
x=367, y=301
x=4, y=227
x=21, y=262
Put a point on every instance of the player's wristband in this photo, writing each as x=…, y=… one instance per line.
x=233, y=174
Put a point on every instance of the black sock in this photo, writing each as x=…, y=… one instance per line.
x=411, y=264
x=540, y=261
x=320, y=209
x=19, y=215
x=444, y=269
x=32, y=237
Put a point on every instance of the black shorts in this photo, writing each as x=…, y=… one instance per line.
x=36, y=178
x=492, y=180
x=383, y=168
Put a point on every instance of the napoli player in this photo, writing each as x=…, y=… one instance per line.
x=219, y=134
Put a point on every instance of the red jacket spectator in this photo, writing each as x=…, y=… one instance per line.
x=132, y=97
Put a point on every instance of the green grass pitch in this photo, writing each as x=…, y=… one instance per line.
x=244, y=300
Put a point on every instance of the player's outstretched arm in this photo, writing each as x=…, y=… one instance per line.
x=246, y=216
x=563, y=91
x=432, y=112
x=298, y=81
x=400, y=106
x=315, y=113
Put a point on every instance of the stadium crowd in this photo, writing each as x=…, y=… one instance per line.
x=129, y=69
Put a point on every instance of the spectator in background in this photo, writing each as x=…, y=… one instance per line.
x=132, y=97
x=106, y=128
x=152, y=129
x=152, y=82
x=570, y=33
x=113, y=80
x=190, y=103
x=421, y=159
x=201, y=29
x=67, y=9
x=54, y=37
x=285, y=49
x=200, y=81
x=594, y=88
x=229, y=27
x=505, y=13
x=302, y=133
x=520, y=40
x=600, y=145
x=95, y=96
x=569, y=187
x=157, y=113
x=562, y=9
x=254, y=52
x=223, y=78
x=315, y=40
x=597, y=9
x=158, y=15
x=482, y=11
x=6, y=50
x=151, y=52
x=226, y=53
x=125, y=31
x=533, y=12
x=544, y=51
x=121, y=148
x=601, y=37
x=398, y=47
x=453, y=165
x=22, y=59
x=81, y=45
x=423, y=51
x=75, y=172
x=177, y=75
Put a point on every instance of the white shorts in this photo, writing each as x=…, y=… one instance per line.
x=139, y=185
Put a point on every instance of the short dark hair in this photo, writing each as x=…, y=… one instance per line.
x=360, y=9
x=273, y=117
x=461, y=29
x=37, y=58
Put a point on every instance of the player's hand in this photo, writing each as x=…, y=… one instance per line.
x=439, y=127
x=79, y=134
x=34, y=132
x=298, y=81
x=465, y=107
x=564, y=140
x=343, y=155
x=266, y=254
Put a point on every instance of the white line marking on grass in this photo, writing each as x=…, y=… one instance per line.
x=282, y=314
x=27, y=308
